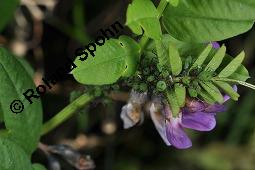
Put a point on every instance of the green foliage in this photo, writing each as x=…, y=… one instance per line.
x=173, y=101
x=175, y=60
x=173, y=2
x=38, y=167
x=232, y=66
x=180, y=92
x=111, y=61
x=143, y=15
x=29, y=122
x=216, y=60
x=202, y=57
x=7, y=9
x=205, y=21
x=13, y=157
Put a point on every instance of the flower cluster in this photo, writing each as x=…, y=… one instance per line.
x=197, y=115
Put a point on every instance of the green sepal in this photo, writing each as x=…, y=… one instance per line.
x=228, y=89
x=180, y=92
x=172, y=100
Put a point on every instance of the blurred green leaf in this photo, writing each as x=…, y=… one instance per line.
x=38, y=167
x=7, y=9
x=13, y=157
x=16, y=80
x=143, y=15
x=173, y=2
x=206, y=21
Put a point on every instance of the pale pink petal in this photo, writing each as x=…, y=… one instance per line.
x=159, y=122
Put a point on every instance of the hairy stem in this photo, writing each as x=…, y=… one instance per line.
x=66, y=113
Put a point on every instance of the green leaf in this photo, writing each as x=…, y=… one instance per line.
x=173, y=2
x=24, y=127
x=38, y=167
x=172, y=100
x=13, y=157
x=163, y=56
x=241, y=73
x=213, y=91
x=202, y=57
x=7, y=9
x=206, y=97
x=132, y=50
x=216, y=60
x=209, y=20
x=143, y=15
x=180, y=92
x=175, y=60
x=228, y=89
x=232, y=66
x=106, y=67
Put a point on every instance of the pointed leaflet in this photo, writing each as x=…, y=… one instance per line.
x=202, y=57
x=143, y=15
x=232, y=66
x=206, y=97
x=209, y=20
x=111, y=61
x=213, y=91
x=216, y=60
x=172, y=100
x=16, y=80
x=175, y=60
x=180, y=92
x=163, y=57
x=228, y=89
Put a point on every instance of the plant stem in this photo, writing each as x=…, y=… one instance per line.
x=236, y=81
x=66, y=113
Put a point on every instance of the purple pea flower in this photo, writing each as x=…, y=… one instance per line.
x=196, y=115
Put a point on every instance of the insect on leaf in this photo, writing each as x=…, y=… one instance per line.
x=216, y=60
x=232, y=66
x=175, y=60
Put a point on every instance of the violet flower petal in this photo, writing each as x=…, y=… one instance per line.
x=159, y=122
x=215, y=108
x=199, y=121
x=215, y=45
x=195, y=106
x=176, y=135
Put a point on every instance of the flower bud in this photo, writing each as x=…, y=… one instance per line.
x=161, y=86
